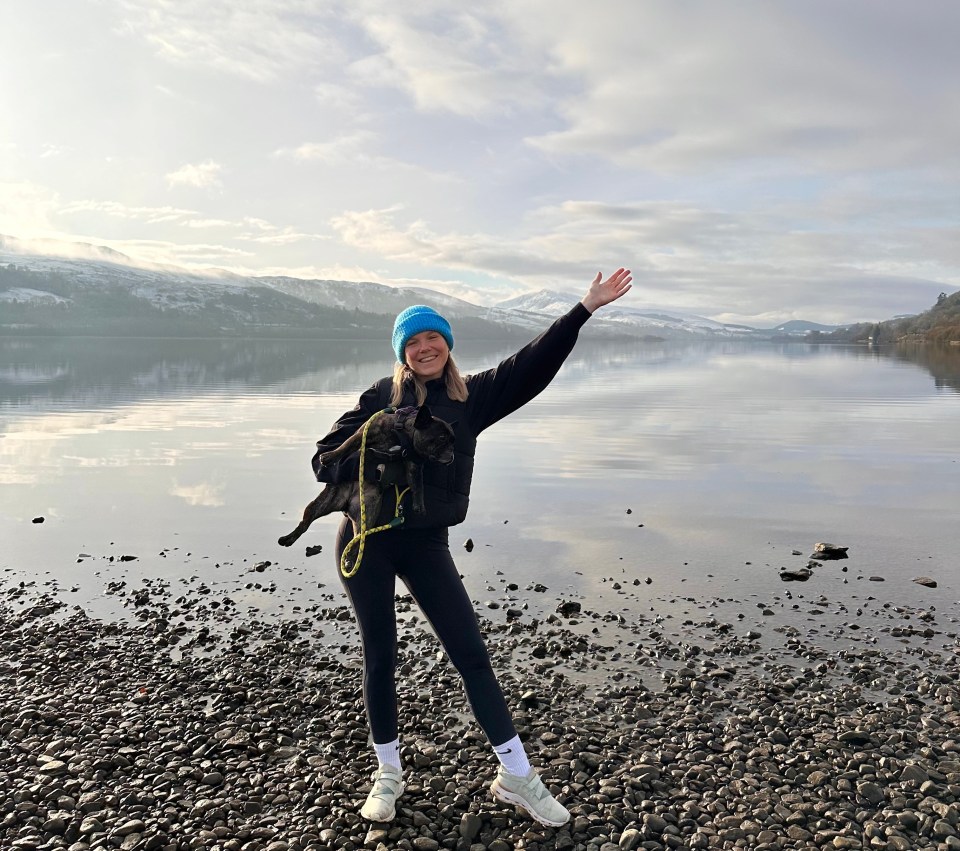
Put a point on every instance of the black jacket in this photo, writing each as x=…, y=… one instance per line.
x=492, y=395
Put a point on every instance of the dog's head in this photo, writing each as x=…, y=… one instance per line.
x=432, y=438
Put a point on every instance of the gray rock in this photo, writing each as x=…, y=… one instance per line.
x=871, y=792
x=470, y=825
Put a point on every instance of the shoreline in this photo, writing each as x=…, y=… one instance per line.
x=191, y=724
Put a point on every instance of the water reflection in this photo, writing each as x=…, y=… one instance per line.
x=943, y=363
x=194, y=456
x=55, y=373
x=93, y=372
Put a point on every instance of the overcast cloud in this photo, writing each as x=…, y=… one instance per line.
x=753, y=162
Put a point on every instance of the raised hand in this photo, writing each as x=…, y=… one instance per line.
x=603, y=292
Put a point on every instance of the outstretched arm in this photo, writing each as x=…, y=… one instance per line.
x=497, y=392
x=603, y=292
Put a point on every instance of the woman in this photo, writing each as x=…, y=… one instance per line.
x=418, y=551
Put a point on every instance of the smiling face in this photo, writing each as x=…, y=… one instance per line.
x=426, y=354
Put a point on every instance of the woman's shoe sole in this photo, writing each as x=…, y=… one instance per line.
x=516, y=800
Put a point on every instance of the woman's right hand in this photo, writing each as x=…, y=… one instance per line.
x=603, y=292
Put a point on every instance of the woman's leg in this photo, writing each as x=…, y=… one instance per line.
x=431, y=575
x=371, y=593
x=428, y=570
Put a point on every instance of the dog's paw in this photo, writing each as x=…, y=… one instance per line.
x=286, y=540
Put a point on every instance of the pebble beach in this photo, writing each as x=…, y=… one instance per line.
x=193, y=721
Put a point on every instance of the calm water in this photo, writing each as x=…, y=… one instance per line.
x=700, y=467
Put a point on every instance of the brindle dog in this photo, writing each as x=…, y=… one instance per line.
x=430, y=439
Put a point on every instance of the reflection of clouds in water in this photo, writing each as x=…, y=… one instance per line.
x=206, y=494
x=757, y=409
x=11, y=476
x=158, y=457
x=201, y=413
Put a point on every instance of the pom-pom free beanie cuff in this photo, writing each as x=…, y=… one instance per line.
x=415, y=319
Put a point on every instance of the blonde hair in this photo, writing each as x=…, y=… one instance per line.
x=456, y=386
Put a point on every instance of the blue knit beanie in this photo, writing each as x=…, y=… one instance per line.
x=412, y=321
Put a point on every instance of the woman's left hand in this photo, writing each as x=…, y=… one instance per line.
x=603, y=292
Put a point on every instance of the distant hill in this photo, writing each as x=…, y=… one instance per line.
x=98, y=292
x=652, y=323
x=801, y=326
x=939, y=325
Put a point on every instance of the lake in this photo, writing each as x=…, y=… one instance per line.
x=681, y=473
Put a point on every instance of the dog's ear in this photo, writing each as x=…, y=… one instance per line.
x=424, y=417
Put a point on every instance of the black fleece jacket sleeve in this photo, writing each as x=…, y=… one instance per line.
x=347, y=469
x=497, y=392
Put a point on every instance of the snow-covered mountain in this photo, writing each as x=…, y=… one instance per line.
x=369, y=297
x=668, y=324
x=91, y=289
x=801, y=326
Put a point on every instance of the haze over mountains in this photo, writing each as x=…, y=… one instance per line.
x=99, y=291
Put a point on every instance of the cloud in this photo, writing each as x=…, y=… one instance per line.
x=285, y=236
x=250, y=39
x=334, y=151
x=732, y=265
x=447, y=59
x=26, y=208
x=208, y=223
x=150, y=215
x=353, y=150
x=199, y=175
x=702, y=85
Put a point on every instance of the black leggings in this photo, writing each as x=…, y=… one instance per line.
x=421, y=558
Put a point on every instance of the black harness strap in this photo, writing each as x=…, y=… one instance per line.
x=403, y=439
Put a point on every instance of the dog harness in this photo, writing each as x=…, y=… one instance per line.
x=361, y=537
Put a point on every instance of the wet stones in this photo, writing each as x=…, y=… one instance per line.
x=828, y=552
x=656, y=731
x=925, y=581
x=800, y=575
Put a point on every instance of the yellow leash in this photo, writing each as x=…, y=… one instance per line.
x=361, y=537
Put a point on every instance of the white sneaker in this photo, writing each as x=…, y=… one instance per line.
x=530, y=794
x=381, y=803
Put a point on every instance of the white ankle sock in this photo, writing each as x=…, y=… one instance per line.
x=513, y=757
x=389, y=754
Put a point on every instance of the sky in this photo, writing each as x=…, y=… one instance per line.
x=755, y=161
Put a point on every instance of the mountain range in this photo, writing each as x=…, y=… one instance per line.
x=101, y=292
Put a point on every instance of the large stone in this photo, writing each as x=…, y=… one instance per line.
x=828, y=552
x=871, y=792
x=470, y=825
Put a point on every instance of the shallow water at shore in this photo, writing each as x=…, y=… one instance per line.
x=706, y=469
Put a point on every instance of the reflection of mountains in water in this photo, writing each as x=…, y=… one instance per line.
x=96, y=372
x=72, y=372
x=942, y=362
x=104, y=371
